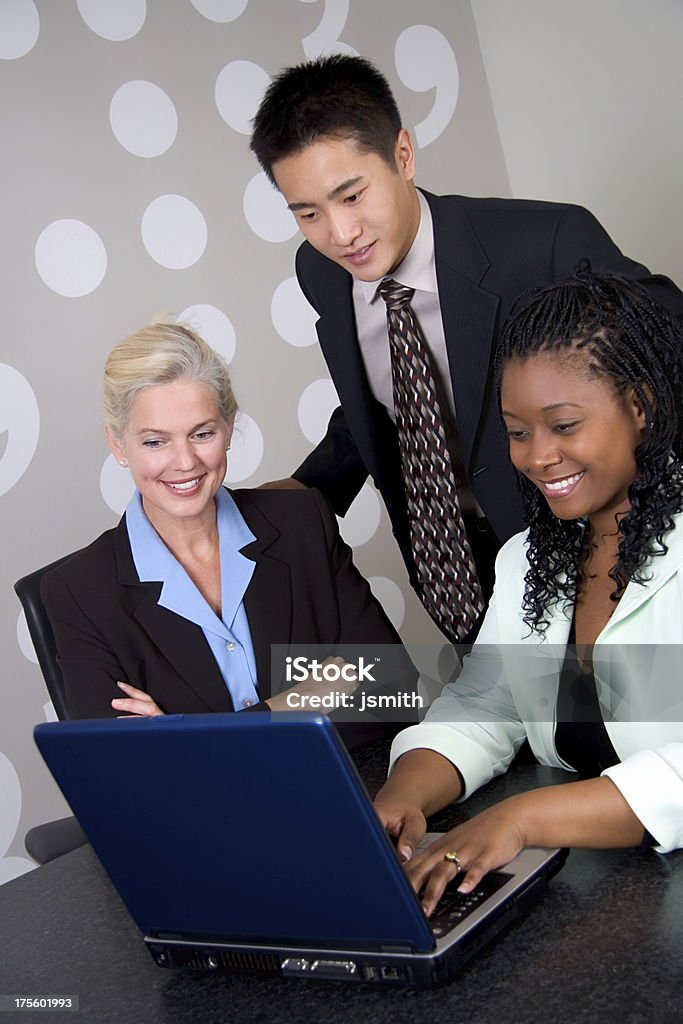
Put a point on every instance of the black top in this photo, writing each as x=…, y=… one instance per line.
x=581, y=738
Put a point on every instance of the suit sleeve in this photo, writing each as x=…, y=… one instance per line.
x=335, y=467
x=89, y=665
x=651, y=782
x=365, y=629
x=580, y=236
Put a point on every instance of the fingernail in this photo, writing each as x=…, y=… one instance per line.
x=122, y=686
x=116, y=703
x=405, y=852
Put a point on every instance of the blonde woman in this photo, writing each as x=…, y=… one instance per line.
x=175, y=609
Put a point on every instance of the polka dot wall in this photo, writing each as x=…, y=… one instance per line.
x=129, y=190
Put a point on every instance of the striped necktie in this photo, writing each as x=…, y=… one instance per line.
x=447, y=580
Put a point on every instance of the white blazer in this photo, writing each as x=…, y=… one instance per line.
x=508, y=689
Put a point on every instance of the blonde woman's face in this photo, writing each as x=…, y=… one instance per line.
x=175, y=445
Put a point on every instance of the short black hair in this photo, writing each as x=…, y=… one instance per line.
x=628, y=339
x=337, y=96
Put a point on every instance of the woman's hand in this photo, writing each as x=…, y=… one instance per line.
x=404, y=822
x=421, y=783
x=136, y=703
x=306, y=696
x=483, y=843
x=590, y=813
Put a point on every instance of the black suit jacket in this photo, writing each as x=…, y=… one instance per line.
x=304, y=590
x=487, y=252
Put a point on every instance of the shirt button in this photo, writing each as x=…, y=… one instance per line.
x=247, y=703
x=230, y=646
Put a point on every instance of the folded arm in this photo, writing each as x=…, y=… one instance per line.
x=90, y=667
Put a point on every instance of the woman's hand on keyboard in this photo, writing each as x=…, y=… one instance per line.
x=483, y=843
x=404, y=822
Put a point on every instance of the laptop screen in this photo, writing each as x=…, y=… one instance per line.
x=249, y=827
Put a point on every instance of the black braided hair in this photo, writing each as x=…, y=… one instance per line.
x=630, y=339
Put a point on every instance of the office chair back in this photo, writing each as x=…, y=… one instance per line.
x=40, y=630
x=50, y=840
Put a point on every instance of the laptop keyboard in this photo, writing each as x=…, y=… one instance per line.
x=454, y=906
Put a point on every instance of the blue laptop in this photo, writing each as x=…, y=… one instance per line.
x=247, y=842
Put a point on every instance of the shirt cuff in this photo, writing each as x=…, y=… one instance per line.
x=651, y=782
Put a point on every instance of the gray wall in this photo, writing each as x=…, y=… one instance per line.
x=128, y=189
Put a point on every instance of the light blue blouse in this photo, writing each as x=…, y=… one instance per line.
x=228, y=637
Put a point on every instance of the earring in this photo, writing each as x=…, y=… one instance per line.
x=122, y=462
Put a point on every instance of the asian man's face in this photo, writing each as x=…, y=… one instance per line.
x=351, y=205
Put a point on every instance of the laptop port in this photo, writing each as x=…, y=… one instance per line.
x=295, y=965
x=391, y=973
x=333, y=968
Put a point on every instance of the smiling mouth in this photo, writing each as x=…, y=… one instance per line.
x=560, y=488
x=359, y=254
x=184, y=487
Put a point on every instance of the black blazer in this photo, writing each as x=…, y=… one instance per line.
x=305, y=589
x=487, y=252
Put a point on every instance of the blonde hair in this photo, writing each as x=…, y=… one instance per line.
x=161, y=353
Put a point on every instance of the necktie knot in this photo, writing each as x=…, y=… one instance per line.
x=396, y=296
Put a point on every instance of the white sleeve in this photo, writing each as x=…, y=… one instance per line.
x=475, y=723
x=651, y=782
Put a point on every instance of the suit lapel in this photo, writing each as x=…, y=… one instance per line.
x=268, y=600
x=339, y=344
x=182, y=642
x=467, y=310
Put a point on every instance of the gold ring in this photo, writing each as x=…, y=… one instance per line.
x=453, y=858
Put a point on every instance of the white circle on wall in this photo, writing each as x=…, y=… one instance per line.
x=116, y=485
x=266, y=211
x=174, y=232
x=49, y=712
x=10, y=787
x=316, y=405
x=70, y=258
x=214, y=327
x=425, y=61
x=293, y=317
x=361, y=522
x=13, y=867
x=24, y=639
x=114, y=21
x=246, y=449
x=324, y=39
x=220, y=10
x=11, y=803
x=239, y=90
x=20, y=420
x=390, y=596
x=143, y=118
x=19, y=28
